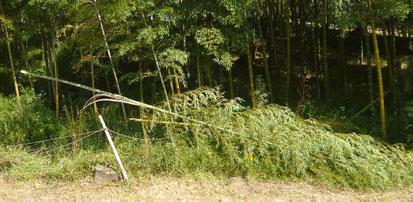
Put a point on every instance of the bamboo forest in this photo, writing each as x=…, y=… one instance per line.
x=315, y=91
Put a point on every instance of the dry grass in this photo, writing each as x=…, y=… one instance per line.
x=165, y=188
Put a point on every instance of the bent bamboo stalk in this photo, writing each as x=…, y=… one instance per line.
x=123, y=99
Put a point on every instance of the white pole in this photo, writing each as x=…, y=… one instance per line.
x=113, y=147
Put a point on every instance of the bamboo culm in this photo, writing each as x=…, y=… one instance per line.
x=379, y=77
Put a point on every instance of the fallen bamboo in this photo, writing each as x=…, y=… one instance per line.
x=365, y=108
x=161, y=122
x=121, y=98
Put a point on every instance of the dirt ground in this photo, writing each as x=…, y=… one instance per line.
x=164, y=188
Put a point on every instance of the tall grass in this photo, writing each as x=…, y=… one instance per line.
x=266, y=143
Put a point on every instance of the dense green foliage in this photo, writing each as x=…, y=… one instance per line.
x=269, y=142
x=31, y=121
x=274, y=89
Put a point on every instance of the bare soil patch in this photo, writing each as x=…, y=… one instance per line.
x=164, y=188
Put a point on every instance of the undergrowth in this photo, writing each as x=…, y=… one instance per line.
x=266, y=143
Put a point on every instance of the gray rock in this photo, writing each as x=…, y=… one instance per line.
x=103, y=174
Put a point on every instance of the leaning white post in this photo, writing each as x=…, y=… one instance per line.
x=113, y=147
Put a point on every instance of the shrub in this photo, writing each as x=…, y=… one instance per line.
x=27, y=122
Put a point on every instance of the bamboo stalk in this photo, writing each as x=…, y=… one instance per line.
x=26, y=62
x=343, y=64
x=251, y=73
x=178, y=90
x=365, y=108
x=92, y=72
x=231, y=83
x=141, y=81
x=390, y=67
x=145, y=134
x=49, y=63
x=16, y=86
x=209, y=76
x=111, y=62
x=325, y=62
x=316, y=57
x=249, y=58
x=369, y=71
x=161, y=78
x=124, y=99
x=162, y=122
x=361, y=47
x=288, y=33
x=56, y=75
x=159, y=71
x=171, y=83
x=411, y=18
x=44, y=58
x=379, y=76
x=270, y=16
x=198, y=69
x=264, y=52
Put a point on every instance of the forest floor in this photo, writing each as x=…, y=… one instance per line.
x=164, y=188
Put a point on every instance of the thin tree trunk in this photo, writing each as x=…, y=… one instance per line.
x=249, y=58
x=369, y=71
x=411, y=25
x=111, y=64
x=264, y=53
x=145, y=134
x=301, y=36
x=56, y=75
x=209, y=75
x=288, y=35
x=251, y=74
x=392, y=43
x=178, y=90
x=343, y=65
x=231, y=83
x=379, y=77
x=49, y=68
x=16, y=86
x=26, y=62
x=198, y=71
x=221, y=77
x=294, y=18
x=316, y=57
x=270, y=16
x=281, y=16
x=49, y=88
x=141, y=82
x=362, y=47
x=325, y=62
x=250, y=71
x=395, y=72
x=107, y=81
x=390, y=67
x=154, y=86
x=161, y=78
x=316, y=48
x=92, y=72
x=171, y=83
